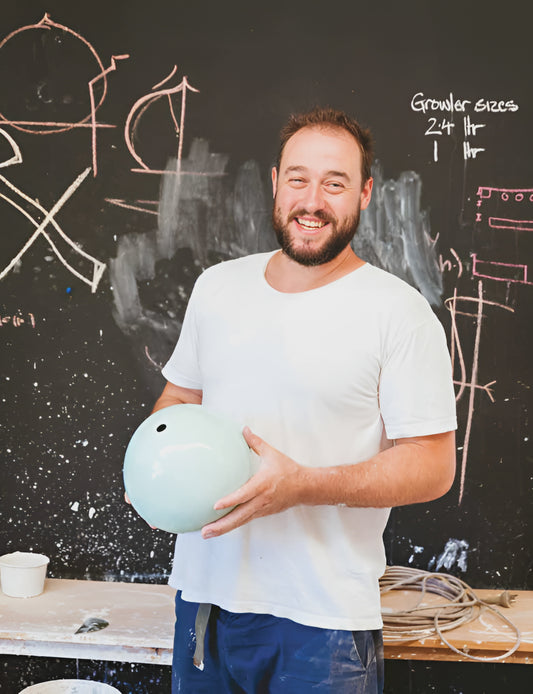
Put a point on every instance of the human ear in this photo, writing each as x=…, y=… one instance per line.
x=274, y=181
x=366, y=193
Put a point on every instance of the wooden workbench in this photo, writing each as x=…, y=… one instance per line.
x=140, y=616
x=141, y=625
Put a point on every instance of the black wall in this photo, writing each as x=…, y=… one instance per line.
x=80, y=368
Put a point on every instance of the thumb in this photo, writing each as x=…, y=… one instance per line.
x=255, y=442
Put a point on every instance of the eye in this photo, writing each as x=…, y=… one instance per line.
x=296, y=182
x=334, y=186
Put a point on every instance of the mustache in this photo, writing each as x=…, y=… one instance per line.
x=318, y=214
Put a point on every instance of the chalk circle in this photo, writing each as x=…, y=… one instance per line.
x=70, y=687
x=519, y=197
x=63, y=90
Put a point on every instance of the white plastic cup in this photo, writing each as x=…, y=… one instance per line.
x=22, y=574
x=70, y=687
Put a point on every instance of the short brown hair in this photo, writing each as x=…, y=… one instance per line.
x=330, y=118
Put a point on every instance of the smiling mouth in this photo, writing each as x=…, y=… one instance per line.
x=310, y=224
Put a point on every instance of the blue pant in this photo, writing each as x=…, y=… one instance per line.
x=261, y=654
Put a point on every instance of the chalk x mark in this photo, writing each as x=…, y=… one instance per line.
x=49, y=218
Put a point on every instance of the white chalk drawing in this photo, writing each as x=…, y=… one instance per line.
x=448, y=265
x=14, y=196
x=48, y=227
x=17, y=155
x=440, y=122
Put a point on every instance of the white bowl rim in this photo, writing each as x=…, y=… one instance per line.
x=23, y=560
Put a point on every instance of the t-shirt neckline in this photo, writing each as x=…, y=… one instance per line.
x=335, y=282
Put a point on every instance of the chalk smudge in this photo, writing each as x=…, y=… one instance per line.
x=394, y=234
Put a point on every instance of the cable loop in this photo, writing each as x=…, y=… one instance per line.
x=462, y=606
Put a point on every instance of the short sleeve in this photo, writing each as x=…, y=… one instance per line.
x=183, y=367
x=416, y=392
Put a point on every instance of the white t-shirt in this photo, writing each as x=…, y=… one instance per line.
x=329, y=377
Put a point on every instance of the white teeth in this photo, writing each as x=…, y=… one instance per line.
x=308, y=224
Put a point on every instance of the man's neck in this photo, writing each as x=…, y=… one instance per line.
x=287, y=275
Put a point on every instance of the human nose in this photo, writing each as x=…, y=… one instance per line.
x=314, y=197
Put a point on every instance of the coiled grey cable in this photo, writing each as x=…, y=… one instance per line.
x=421, y=621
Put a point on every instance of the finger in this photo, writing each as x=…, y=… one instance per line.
x=241, y=495
x=239, y=516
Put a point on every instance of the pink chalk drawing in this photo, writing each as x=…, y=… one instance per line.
x=516, y=224
x=510, y=273
x=137, y=206
x=92, y=83
x=458, y=306
x=140, y=107
x=17, y=320
x=131, y=127
x=15, y=197
x=507, y=195
x=46, y=127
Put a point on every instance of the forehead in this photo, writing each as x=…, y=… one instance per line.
x=323, y=149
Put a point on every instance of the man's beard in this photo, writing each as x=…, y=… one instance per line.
x=306, y=254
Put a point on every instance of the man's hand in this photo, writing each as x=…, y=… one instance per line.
x=275, y=487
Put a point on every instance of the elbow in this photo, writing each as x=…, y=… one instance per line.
x=445, y=484
x=445, y=479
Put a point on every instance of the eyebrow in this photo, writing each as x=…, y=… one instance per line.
x=331, y=172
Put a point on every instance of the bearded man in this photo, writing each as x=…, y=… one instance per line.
x=340, y=374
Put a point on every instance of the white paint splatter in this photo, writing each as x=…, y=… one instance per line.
x=455, y=552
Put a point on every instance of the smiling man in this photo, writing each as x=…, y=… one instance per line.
x=316, y=211
x=340, y=375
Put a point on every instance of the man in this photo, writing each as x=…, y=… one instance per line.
x=340, y=375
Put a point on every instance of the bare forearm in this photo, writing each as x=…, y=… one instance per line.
x=414, y=470
x=174, y=395
x=409, y=472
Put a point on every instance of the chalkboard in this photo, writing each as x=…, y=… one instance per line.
x=136, y=141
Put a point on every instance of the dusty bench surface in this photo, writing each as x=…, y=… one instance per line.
x=141, y=624
x=140, y=616
x=484, y=637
